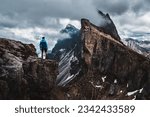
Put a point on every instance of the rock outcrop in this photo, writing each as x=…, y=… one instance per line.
x=109, y=69
x=108, y=26
x=22, y=74
x=106, y=56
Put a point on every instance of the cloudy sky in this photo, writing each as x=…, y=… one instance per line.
x=28, y=20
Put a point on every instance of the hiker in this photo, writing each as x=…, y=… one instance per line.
x=43, y=47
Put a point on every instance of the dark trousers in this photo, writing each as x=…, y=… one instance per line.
x=43, y=50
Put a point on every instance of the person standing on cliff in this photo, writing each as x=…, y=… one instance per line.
x=43, y=47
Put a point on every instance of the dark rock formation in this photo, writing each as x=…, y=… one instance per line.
x=71, y=48
x=70, y=29
x=108, y=26
x=22, y=74
x=67, y=52
x=105, y=56
x=110, y=70
x=40, y=77
x=63, y=46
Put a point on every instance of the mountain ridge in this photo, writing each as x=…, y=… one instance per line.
x=108, y=67
x=142, y=47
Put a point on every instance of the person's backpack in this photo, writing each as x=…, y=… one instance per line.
x=43, y=45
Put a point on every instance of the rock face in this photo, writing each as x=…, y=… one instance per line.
x=67, y=52
x=109, y=69
x=40, y=77
x=22, y=75
x=108, y=26
x=122, y=67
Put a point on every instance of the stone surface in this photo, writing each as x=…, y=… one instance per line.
x=40, y=77
x=108, y=26
x=106, y=56
x=109, y=69
x=22, y=74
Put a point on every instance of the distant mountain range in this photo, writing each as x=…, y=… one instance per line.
x=142, y=47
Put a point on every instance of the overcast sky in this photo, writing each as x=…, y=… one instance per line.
x=28, y=20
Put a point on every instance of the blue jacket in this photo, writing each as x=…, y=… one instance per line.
x=43, y=44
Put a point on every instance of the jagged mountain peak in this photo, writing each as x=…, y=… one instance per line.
x=22, y=74
x=104, y=15
x=87, y=25
x=103, y=55
x=70, y=26
x=108, y=25
x=70, y=29
x=103, y=63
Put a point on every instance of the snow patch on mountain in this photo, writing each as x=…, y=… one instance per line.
x=142, y=47
x=65, y=67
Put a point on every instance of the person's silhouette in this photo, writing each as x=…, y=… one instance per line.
x=43, y=47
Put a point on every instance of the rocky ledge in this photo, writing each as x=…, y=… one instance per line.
x=22, y=74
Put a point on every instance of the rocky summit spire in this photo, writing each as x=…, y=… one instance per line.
x=124, y=69
x=108, y=26
x=102, y=68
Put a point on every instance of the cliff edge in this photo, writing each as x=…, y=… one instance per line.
x=22, y=74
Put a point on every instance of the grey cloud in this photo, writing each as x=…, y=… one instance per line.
x=114, y=7
x=140, y=6
x=36, y=11
x=43, y=12
x=24, y=14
